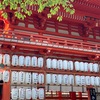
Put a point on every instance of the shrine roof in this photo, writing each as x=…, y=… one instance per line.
x=96, y=2
x=90, y=6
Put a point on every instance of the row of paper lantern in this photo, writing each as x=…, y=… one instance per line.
x=59, y=64
x=71, y=80
x=50, y=63
x=27, y=93
x=4, y=76
x=81, y=66
x=69, y=65
x=87, y=80
x=21, y=60
x=59, y=79
x=26, y=78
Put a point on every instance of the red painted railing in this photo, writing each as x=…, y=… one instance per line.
x=66, y=96
x=49, y=41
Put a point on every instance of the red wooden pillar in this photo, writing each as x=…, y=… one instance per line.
x=88, y=91
x=73, y=95
x=6, y=91
x=89, y=95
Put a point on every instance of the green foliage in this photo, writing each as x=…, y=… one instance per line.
x=20, y=7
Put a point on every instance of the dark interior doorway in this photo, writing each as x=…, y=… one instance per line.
x=1, y=89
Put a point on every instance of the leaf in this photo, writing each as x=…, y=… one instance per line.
x=72, y=11
x=59, y=18
x=71, y=5
x=68, y=9
x=40, y=8
x=72, y=0
x=55, y=5
x=4, y=15
x=1, y=6
x=49, y=15
x=29, y=13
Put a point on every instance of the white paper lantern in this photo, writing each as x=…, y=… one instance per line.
x=34, y=61
x=59, y=79
x=28, y=93
x=1, y=57
x=59, y=64
x=54, y=78
x=22, y=93
x=70, y=65
x=40, y=62
x=48, y=62
x=6, y=76
x=54, y=63
x=28, y=78
x=90, y=66
x=71, y=79
x=48, y=78
x=77, y=66
x=34, y=78
x=78, y=80
x=14, y=60
x=87, y=80
x=65, y=64
x=21, y=60
x=14, y=77
x=96, y=67
x=14, y=93
x=21, y=77
x=41, y=93
x=97, y=81
x=85, y=66
x=83, y=82
x=27, y=61
x=34, y=93
x=81, y=66
x=65, y=79
x=6, y=59
x=92, y=80
x=1, y=76
x=41, y=78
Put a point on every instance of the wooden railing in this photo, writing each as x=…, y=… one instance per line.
x=48, y=41
x=66, y=96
